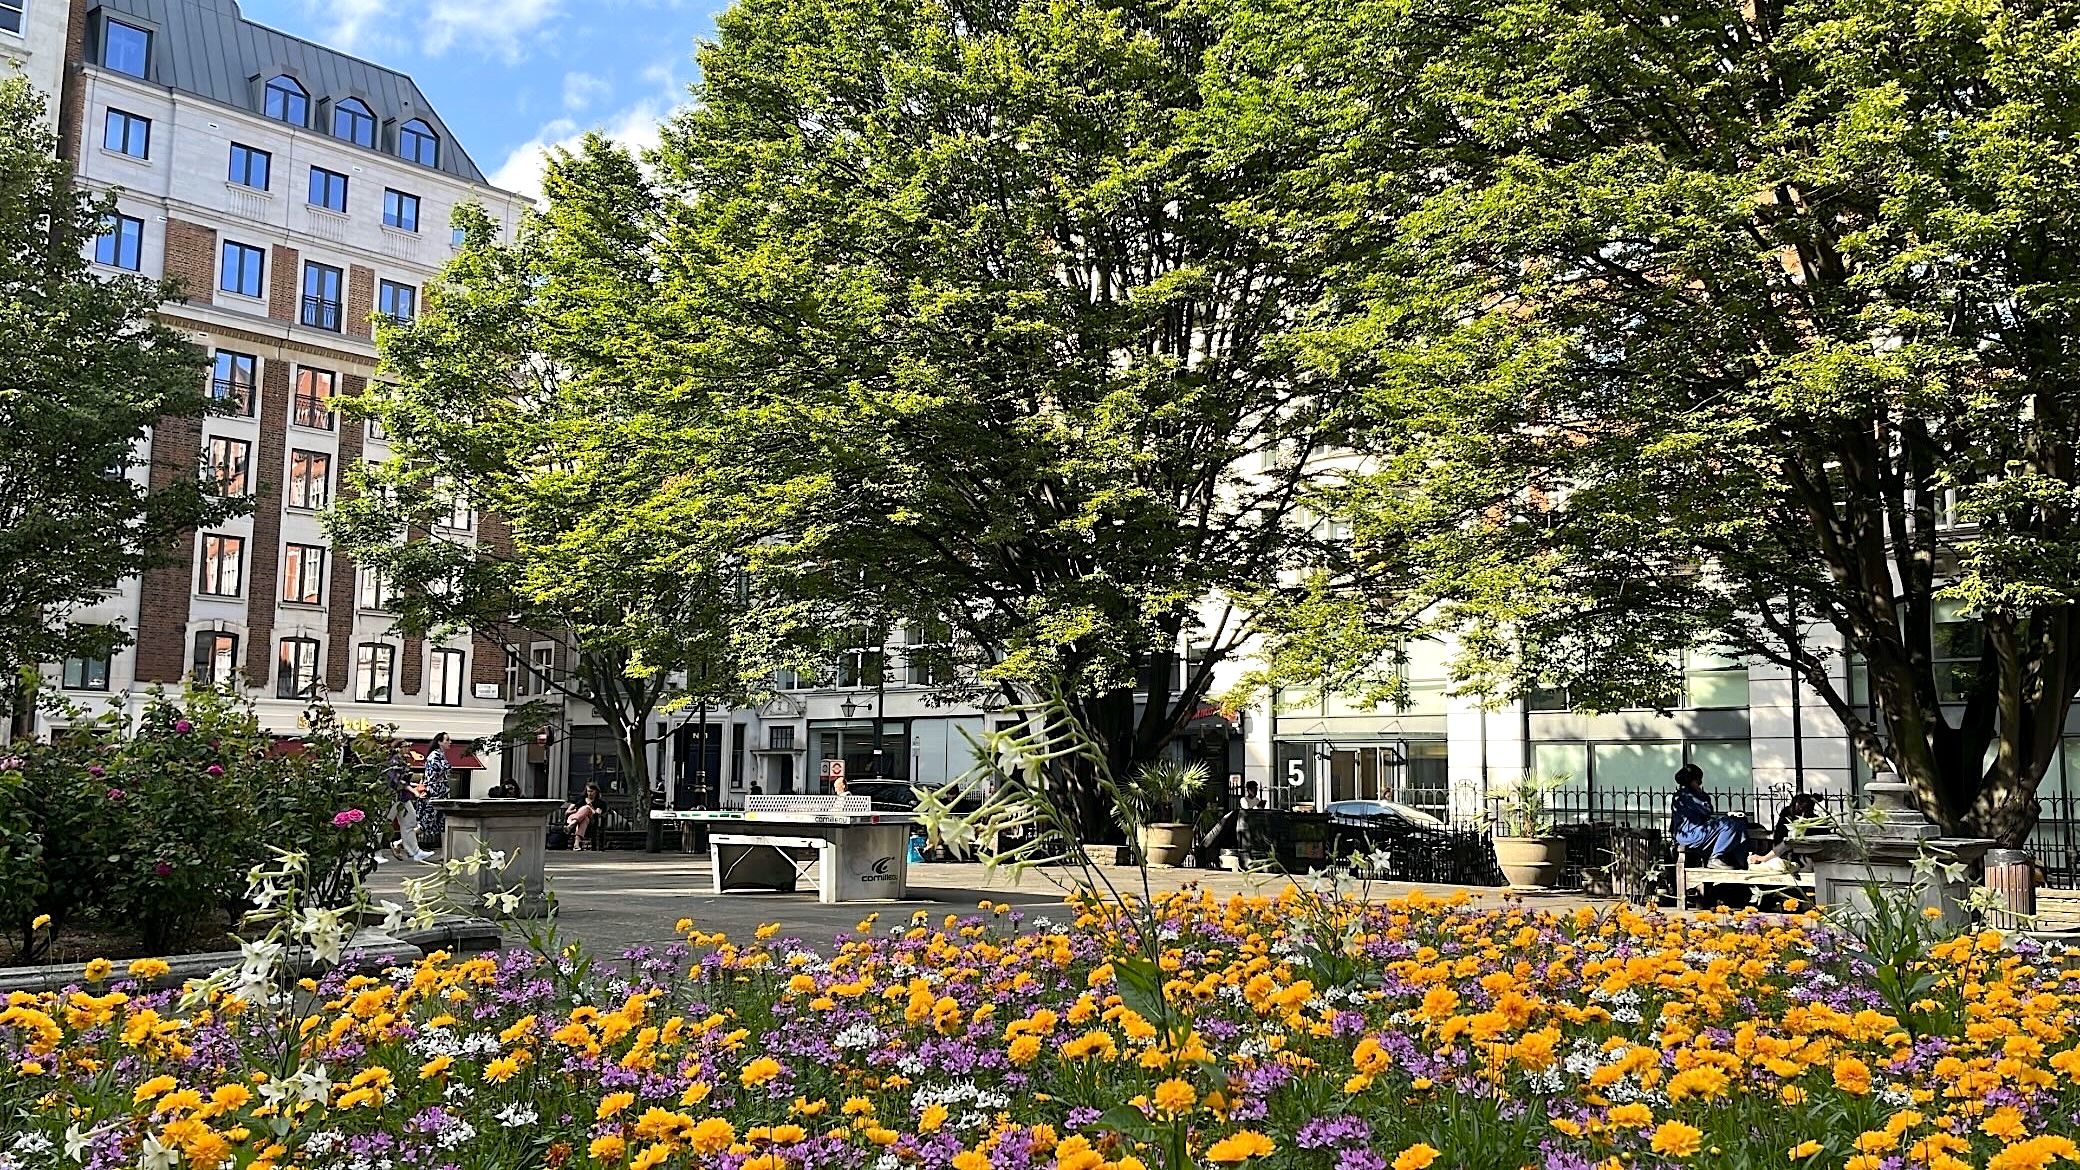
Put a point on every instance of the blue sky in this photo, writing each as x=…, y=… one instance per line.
x=511, y=76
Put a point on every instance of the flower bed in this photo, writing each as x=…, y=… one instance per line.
x=1290, y=1032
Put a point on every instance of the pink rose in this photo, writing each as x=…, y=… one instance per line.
x=182, y=726
x=346, y=818
x=96, y=770
x=115, y=794
x=162, y=869
x=216, y=769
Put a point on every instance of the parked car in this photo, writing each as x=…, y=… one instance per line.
x=1364, y=812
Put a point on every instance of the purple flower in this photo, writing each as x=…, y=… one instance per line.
x=116, y=794
x=347, y=818
x=96, y=770
x=182, y=727
x=216, y=769
x=162, y=869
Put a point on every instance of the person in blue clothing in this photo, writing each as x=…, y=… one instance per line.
x=1695, y=826
x=438, y=769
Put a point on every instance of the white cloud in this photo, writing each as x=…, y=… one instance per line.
x=580, y=90
x=634, y=128
x=499, y=28
x=495, y=26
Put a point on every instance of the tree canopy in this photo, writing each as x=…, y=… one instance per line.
x=1749, y=325
x=88, y=371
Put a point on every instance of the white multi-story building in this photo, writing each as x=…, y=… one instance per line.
x=34, y=36
x=296, y=192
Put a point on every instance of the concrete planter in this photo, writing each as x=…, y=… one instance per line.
x=1165, y=844
x=1531, y=863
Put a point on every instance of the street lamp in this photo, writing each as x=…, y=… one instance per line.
x=850, y=708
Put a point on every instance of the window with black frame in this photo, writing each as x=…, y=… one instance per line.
x=375, y=664
x=296, y=668
x=228, y=465
x=216, y=657
x=234, y=378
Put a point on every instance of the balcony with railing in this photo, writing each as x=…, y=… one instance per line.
x=319, y=313
x=240, y=394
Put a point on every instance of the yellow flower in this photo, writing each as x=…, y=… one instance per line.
x=229, y=1097
x=608, y=1147
x=1631, y=1115
x=1852, y=1076
x=713, y=1136
x=501, y=1070
x=767, y=930
x=614, y=1103
x=759, y=1071
x=935, y=1115
x=1174, y=1096
x=1677, y=1140
x=97, y=970
x=971, y=1160
x=1804, y=1150
x=41, y=921
x=1240, y=1146
x=148, y=968
x=652, y=1156
x=696, y=1093
x=1024, y=1050
x=1415, y=1157
x=153, y=1088
x=435, y=1067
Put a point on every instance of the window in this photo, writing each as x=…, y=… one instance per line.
x=287, y=101
x=313, y=399
x=223, y=565
x=125, y=48
x=83, y=672
x=789, y=679
x=416, y=142
x=296, y=668
x=11, y=21
x=250, y=168
x=230, y=462
x=445, y=678
x=1959, y=642
x=310, y=479
x=400, y=210
x=243, y=268
x=1710, y=680
x=374, y=663
x=328, y=189
x=457, y=237
x=234, y=378
x=376, y=433
x=780, y=739
x=127, y=134
x=459, y=516
x=352, y=121
x=543, y=668
x=216, y=657
x=375, y=590
x=399, y=302
x=303, y=574
x=925, y=659
x=860, y=667
x=121, y=243
x=321, y=285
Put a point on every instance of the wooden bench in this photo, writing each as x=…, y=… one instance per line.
x=1695, y=876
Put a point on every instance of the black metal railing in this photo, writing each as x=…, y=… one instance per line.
x=240, y=393
x=319, y=313
x=1592, y=820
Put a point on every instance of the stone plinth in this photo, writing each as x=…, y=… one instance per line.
x=1877, y=856
x=518, y=829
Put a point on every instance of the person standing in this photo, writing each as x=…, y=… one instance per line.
x=404, y=810
x=1694, y=825
x=435, y=786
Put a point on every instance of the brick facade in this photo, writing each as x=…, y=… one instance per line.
x=361, y=300
x=283, y=284
x=191, y=258
x=265, y=552
x=162, y=617
x=487, y=657
x=340, y=605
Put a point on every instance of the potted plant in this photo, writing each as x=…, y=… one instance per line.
x=1530, y=855
x=1154, y=794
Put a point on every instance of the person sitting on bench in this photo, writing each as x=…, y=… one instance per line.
x=1796, y=819
x=1694, y=825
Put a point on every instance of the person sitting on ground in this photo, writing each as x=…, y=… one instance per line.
x=1694, y=825
x=1802, y=808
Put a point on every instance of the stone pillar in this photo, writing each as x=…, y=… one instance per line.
x=1876, y=854
x=519, y=829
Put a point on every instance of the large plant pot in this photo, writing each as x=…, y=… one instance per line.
x=1165, y=844
x=1531, y=863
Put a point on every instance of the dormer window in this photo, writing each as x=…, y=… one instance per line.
x=288, y=101
x=125, y=48
x=416, y=142
x=352, y=121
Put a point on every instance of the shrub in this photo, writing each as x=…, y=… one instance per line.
x=328, y=802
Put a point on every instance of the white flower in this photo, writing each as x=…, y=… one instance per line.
x=77, y=1142
x=153, y=1156
x=259, y=959
x=516, y=1115
x=393, y=916
x=33, y=1143
x=326, y=933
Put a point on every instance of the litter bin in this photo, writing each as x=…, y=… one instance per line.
x=2011, y=878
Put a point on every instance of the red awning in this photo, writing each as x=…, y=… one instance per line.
x=284, y=745
x=458, y=759
x=1210, y=711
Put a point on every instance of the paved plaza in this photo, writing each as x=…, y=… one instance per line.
x=612, y=901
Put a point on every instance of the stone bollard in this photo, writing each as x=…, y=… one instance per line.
x=519, y=829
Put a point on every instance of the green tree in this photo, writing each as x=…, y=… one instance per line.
x=498, y=400
x=1732, y=324
x=88, y=372
x=993, y=321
